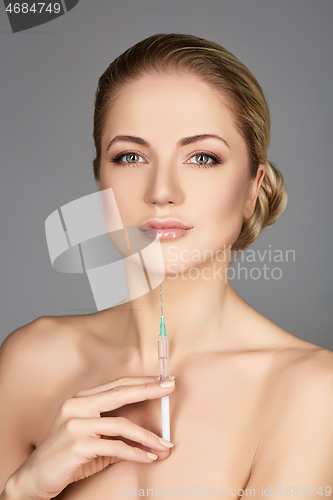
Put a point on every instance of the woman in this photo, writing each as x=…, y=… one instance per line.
x=181, y=130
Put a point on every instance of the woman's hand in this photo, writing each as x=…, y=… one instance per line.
x=78, y=442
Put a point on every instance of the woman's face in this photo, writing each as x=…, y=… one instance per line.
x=175, y=153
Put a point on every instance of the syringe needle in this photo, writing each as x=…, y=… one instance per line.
x=161, y=298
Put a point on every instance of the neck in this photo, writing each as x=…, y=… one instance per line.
x=200, y=315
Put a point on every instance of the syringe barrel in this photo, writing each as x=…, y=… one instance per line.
x=163, y=359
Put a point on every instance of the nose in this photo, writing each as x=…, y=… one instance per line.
x=164, y=185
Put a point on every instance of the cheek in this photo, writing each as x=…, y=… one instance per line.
x=126, y=193
x=224, y=202
x=222, y=208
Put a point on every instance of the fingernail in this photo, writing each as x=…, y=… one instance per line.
x=172, y=377
x=152, y=455
x=166, y=443
x=167, y=383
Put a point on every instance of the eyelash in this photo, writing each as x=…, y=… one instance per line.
x=215, y=158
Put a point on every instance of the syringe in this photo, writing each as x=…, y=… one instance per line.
x=164, y=372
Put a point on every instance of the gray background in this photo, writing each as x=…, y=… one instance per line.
x=48, y=78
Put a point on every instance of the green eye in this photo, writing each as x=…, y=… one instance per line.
x=127, y=159
x=202, y=159
x=205, y=160
x=132, y=158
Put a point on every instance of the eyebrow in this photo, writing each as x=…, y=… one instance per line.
x=201, y=137
x=183, y=142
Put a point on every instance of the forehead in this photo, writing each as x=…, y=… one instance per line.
x=162, y=107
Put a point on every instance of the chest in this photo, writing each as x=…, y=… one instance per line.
x=215, y=430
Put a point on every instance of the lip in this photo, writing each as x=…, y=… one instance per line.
x=163, y=224
x=169, y=229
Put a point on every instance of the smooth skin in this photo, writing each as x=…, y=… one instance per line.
x=252, y=406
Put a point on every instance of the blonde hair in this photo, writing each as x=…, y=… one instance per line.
x=220, y=69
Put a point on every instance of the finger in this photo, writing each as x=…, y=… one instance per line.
x=94, y=405
x=114, y=383
x=117, y=426
x=94, y=448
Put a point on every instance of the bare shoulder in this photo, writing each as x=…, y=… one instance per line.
x=299, y=386
x=309, y=373
x=40, y=366
x=52, y=356
x=293, y=369
x=40, y=347
x=39, y=332
x=300, y=364
x=292, y=359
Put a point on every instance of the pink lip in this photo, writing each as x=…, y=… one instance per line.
x=163, y=224
x=164, y=230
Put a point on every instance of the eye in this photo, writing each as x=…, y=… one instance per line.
x=127, y=158
x=205, y=160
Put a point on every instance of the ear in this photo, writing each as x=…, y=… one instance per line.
x=253, y=191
